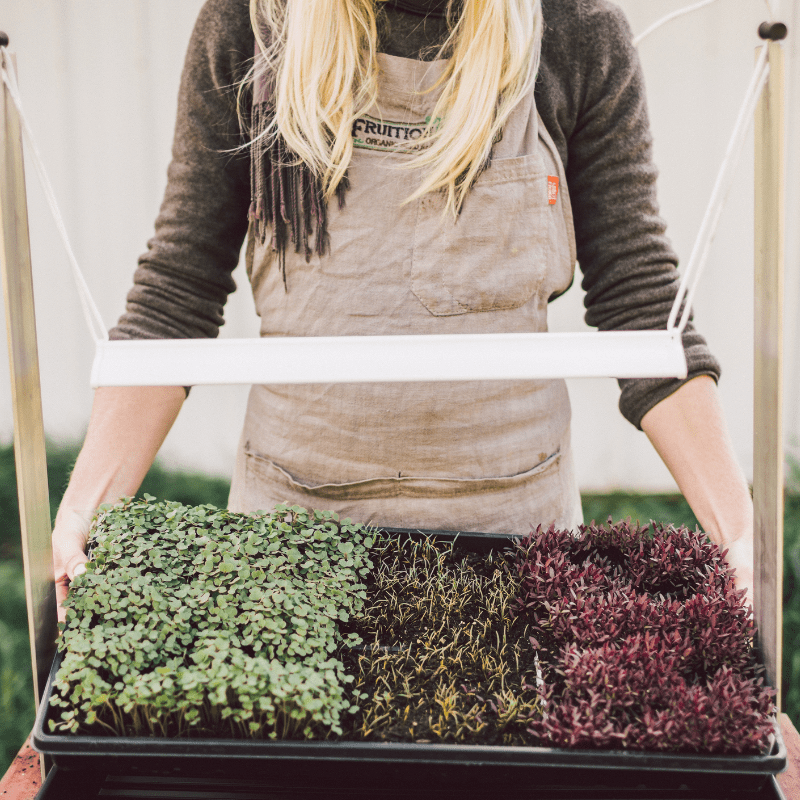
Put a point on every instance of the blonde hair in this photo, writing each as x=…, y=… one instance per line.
x=322, y=59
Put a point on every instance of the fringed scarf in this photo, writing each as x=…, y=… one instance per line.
x=285, y=197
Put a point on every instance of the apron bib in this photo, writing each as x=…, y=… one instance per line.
x=480, y=455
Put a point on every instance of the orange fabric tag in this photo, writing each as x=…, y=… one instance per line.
x=552, y=189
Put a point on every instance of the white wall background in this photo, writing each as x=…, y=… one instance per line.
x=99, y=81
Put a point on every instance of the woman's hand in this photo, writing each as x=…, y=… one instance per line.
x=127, y=426
x=689, y=432
x=740, y=559
x=70, y=536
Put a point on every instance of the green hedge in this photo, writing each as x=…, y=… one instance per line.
x=16, y=695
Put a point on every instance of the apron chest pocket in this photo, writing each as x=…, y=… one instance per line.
x=496, y=254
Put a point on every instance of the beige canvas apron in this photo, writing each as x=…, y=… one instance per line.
x=485, y=456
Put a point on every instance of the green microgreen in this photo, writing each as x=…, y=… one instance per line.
x=198, y=621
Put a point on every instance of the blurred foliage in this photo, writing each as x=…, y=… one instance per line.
x=791, y=593
x=16, y=699
x=642, y=508
x=16, y=687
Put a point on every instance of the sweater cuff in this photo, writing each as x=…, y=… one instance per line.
x=639, y=395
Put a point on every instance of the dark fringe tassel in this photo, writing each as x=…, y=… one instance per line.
x=317, y=204
x=306, y=199
x=286, y=196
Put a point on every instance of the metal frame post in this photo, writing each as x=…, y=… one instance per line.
x=768, y=370
x=29, y=442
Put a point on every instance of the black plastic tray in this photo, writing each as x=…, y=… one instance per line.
x=86, y=785
x=394, y=765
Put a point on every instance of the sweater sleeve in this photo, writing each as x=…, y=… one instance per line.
x=183, y=280
x=629, y=268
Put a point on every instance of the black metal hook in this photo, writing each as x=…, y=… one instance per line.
x=773, y=31
x=3, y=39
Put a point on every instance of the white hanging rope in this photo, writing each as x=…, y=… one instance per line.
x=93, y=318
x=669, y=17
x=708, y=227
x=736, y=153
x=773, y=6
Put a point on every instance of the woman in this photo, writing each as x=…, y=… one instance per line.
x=411, y=167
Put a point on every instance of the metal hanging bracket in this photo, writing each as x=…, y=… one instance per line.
x=772, y=31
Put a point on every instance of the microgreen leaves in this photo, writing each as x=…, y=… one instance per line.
x=644, y=641
x=199, y=622
x=204, y=622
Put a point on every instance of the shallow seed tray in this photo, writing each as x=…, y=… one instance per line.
x=292, y=765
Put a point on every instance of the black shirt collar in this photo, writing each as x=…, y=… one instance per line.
x=425, y=8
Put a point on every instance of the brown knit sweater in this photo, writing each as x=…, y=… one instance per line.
x=590, y=95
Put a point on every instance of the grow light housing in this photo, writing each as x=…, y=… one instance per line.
x=360, y=359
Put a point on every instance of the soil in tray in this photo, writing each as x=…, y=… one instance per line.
x=202, y=623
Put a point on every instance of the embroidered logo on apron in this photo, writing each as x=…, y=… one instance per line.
x=370, y=133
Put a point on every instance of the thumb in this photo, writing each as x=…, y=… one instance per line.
x=76, y=565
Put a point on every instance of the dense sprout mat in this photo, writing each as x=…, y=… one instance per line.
x=292, y=624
